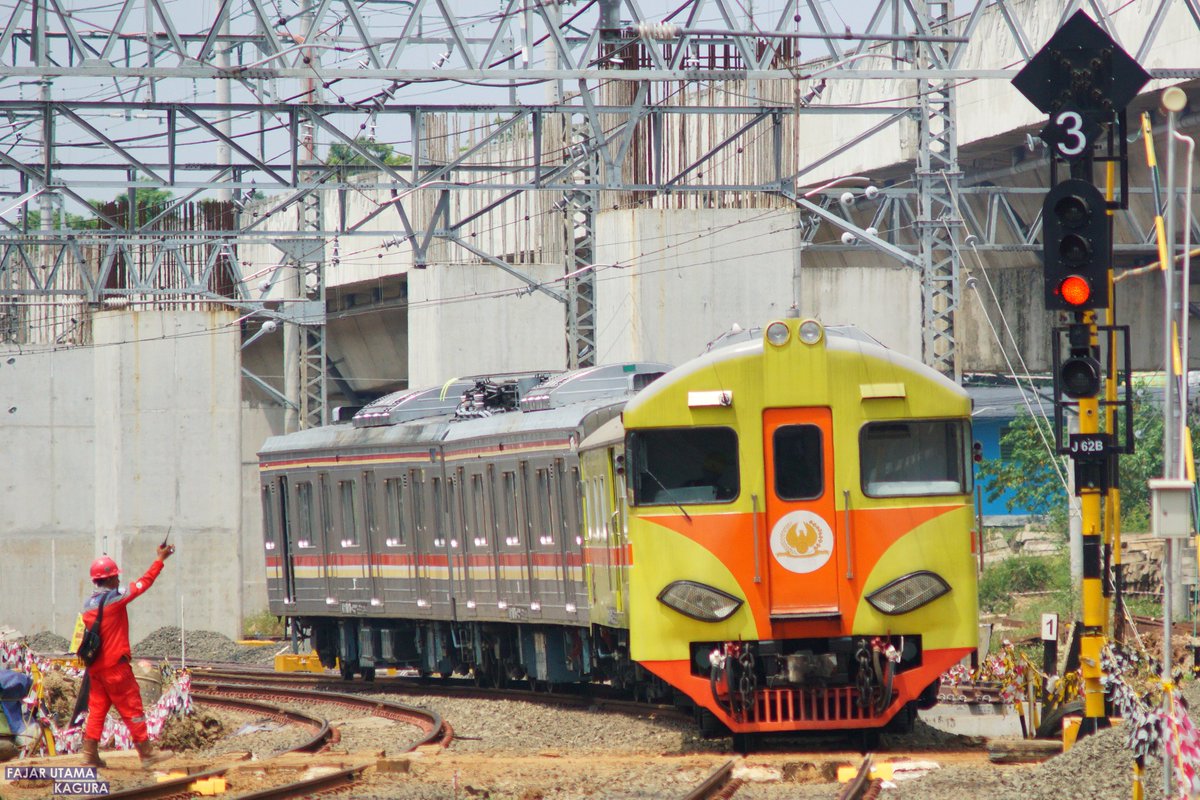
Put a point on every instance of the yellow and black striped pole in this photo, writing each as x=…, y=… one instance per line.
x=1091, y=640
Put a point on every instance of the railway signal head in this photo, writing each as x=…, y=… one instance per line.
x=1079, y=374
x=1076, y=247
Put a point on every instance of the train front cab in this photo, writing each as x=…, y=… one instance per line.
x=801, y=532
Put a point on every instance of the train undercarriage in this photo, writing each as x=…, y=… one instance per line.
x=492, y=654
x=843, y=683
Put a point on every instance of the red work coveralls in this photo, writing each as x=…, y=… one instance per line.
x=112, y=678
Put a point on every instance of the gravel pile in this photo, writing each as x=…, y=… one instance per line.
x=47, y=642
x=201, y=646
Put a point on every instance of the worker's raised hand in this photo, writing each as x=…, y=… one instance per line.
x=165, y=551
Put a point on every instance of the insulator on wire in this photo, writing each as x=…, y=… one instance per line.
x=660, y=31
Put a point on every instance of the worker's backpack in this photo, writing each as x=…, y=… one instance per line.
x=90, y=644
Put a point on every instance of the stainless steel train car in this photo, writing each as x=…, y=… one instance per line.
x=440, y=529
x=778, y=533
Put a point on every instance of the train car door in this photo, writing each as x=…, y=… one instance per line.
x=329, y=570
x=373, y=541
x=399, y=554
x=566, y=530
x=277, y=523
x=351, y=559
x=801, y=525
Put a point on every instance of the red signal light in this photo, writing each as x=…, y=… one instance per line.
x=1075, y=290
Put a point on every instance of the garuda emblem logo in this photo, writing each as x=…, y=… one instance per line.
x=801, y=541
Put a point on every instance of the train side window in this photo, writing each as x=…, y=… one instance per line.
x=684, y=465
x=478, y=512
x=417, y=502
x=544, y=509
x=370, y=515
x=393, y=491
x=799, y=462
x=348, y=494
x=512, y=534
x=304, y=515
x=490, y=506
x=575, y=488
x=326, y=512
x=913, y=457
x=439, y=536
x=268, y=509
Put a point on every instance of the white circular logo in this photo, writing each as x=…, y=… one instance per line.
x=801, y=541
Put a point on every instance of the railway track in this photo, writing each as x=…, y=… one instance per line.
x=862, y=786
x=595, y=696
x=249, y=697
x=719, y=784
x=1147, y=624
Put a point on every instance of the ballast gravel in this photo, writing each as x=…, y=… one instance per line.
x=199, y=645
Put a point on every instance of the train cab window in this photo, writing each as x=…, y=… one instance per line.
x=393, y=491
x=799, y=463
x=348, y=495
x=304, y=515
x=684, y=465
x=914, y=457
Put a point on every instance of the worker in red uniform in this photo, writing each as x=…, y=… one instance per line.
x=111, y=676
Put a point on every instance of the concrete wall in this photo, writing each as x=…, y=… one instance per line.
x=690, y=276
x=466, y=319
x=111, y=446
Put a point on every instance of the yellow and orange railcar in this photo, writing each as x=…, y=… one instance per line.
x=784, y=529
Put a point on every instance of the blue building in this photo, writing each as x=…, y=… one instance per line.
x=993, y=410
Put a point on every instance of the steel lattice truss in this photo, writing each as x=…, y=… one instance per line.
x=147, y=94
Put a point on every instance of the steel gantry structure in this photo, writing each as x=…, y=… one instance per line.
x=225, y=101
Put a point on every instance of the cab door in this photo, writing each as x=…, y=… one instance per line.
x=801, y=523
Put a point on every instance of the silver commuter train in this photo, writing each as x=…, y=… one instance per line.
x=441, y=529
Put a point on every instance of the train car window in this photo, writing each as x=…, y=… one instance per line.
x=512, y=534
x=369, y=515
x=478, y=512
x=799, y=463
x=439, y=536
x=417, y=502
x=304, y=514
x=268, y=509
x=491, y=509
x=543, y=520
x=326, y=513
x=671, y=466
x=913, y=457
x=575, y=487
x=348, y=494
x=393, y=491
x=455, y=513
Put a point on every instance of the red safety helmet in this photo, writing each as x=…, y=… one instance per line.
x=104, y=567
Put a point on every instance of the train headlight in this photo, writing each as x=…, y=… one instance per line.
x=811, y=331
x=778, y=333
x=698, y=601
x=911, y=591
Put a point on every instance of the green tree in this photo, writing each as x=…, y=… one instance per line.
x=344, y=154
x=1034, y=484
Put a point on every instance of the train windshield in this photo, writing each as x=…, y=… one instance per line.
x=915, y=457
x=684, y=465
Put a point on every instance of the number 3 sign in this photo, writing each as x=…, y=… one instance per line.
x=1070, y=133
